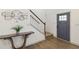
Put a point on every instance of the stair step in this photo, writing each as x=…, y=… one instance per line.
x=49, y=35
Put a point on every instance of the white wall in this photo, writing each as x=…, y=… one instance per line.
x=75, y=26
x=6, y=25
x=51, y=21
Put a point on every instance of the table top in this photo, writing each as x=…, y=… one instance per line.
x=16, y=34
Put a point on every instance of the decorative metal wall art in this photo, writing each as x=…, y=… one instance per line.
x=7, y=15
x=15, y=14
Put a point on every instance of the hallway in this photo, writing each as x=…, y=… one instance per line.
x=53, y=43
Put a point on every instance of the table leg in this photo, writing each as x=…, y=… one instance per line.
x=12, y=43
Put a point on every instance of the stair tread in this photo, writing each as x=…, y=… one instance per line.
x=48, y=34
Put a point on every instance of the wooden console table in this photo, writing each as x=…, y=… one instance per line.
x=9, y=37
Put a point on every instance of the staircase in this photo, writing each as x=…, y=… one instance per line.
x=40, y=22
x=49, y=35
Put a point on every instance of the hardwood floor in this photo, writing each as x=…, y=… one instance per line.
x=53, y=43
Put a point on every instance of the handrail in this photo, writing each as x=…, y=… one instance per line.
x=41, y=22
x=35, y=19
x=36, y=16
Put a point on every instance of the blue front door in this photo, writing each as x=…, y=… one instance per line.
x=63, y=26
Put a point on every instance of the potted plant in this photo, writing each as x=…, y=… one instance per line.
x=17, y=28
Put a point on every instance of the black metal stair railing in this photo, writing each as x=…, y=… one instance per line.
x=44, y=23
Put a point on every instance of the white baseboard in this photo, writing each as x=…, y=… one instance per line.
x=69, y=42
x=74, y=43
